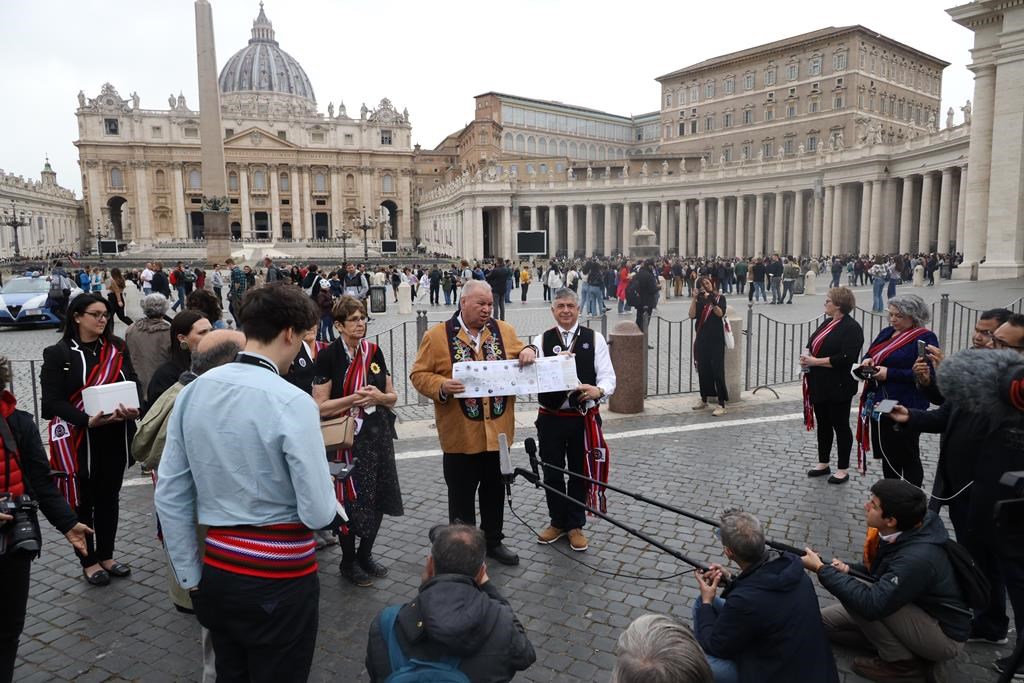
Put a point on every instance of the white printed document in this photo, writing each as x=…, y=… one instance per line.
x=505, y=378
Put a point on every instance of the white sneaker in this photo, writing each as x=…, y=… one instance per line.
x=718, y=412
x=700, y=405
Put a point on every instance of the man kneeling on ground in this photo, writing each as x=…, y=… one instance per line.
x=915, y=615
x=765, y=627
x=459, y=620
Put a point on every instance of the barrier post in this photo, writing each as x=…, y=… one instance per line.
x=628, y=348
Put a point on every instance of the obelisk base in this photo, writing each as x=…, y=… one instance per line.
x=218, y=237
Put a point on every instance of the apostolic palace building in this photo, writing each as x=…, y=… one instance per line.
x=828, y=142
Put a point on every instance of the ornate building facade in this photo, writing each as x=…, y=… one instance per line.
x=54, y=215
x=294, y=173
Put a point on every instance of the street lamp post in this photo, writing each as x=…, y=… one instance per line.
x=16, y=220
x=366, y=225
x=344, y=234
x=101, y=231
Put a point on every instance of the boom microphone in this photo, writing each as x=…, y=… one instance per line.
x=505, y=464
x=531, y=450
x=979, y=380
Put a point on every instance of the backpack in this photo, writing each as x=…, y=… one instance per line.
x=190, y=276
x=633, y=293
x=405, y=670
x=973, y=583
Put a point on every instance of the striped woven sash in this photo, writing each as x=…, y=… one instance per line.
x=275, y=551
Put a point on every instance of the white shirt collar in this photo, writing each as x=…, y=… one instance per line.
x=571, y=331
x=891, y=538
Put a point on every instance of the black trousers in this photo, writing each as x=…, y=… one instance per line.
x=99, y=497
x=465, y=474
x=435, y=294
x=14, y=574
x=834, y=418
x=641, y=312
x=711, y=370
x=900, y=448
x=499, y=304
x=525, y=287
x=561, y=445
x=262, y=629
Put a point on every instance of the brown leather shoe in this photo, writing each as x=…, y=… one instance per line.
x=577, y=541
x=878, y=669
x=550, y=535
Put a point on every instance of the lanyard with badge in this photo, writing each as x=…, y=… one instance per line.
x=255, y=360
x=570, y=343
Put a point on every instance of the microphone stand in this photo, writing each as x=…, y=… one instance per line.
x=536, y=481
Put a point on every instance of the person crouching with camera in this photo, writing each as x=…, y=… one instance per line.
x=25, y=486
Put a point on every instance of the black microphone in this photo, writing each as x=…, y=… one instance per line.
x=505, y=464
x=531, y=450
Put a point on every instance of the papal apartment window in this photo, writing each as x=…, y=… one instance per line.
x=745, y=151
x=316, y=137
x=792, y=71
x=812, y=143
x=385, y=137
x=748, y=81
x=693, y=127
x=348, y=138
x=709, y=90
x=727, y=120
x=694, y=93
x=709, y=123
x=769, y=113
x=839, y=61
x=769, y=77
x=730, y=86
x=682, y=129
x=788, y=146
x=727, y=153
x=668, y=99
x=766, y=149
x=681, y=97
x=790, y=111
x=814, y=66
x=111, y=126
x=190, y=132
x=748, y=116
x=837, y=102
x=157, y=132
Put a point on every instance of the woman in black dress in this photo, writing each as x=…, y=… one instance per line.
x=708, y=309
x=828, y=385
x=351, y=375
x=91, y=450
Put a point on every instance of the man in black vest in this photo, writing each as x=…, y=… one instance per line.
x=569, y=424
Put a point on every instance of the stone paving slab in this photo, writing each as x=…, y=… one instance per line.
x=573, y=611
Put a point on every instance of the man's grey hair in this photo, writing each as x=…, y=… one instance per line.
x=154, y=305
x=215, y=356
x=564, y=293
x=742, y=534
x=474, y=287
x=658, y=649
x=912, y=306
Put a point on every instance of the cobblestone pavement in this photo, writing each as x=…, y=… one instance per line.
x=572, y=611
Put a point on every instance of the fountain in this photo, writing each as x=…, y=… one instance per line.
x=644, y=246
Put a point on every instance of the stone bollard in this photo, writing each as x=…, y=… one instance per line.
x=919, y=275
x=404, y=298
x=627, y=352
x=733, y=356
x=810, y=282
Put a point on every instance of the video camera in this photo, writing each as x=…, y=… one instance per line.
x=21, y=533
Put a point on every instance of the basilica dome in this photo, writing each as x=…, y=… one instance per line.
x=263, y=67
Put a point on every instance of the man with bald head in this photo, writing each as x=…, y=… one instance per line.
x=469, y=427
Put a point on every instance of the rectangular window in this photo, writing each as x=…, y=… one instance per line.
x=531, y=118
x=812, y=143
x=286, y=202
x=693, y=127
x=157, y=132
x=283, y=134
x=228, y=132
x=727, y=120
x=814, y=66
x=769, y=113
x=668, y=99
x=748, y=81
x=792, y=71
x=385, y=137
x=730, y=86
x=348, y=138
x=694, y=93
x=766, y=149
x=840, y=82
x=111, y=126
x=769, y=77
x=790, y=111
x=506, y=114
x=812, y=106
x=316, y=137
x=839, y=62
x=837, y=102
x=681, y=97
x=727, y=153
x=748, y=116
x=191, y=132
x=745, y=151
x=709, y=123
x=682, y=129
x=709, y=90
x=787, y=145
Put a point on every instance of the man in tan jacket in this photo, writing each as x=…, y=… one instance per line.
x=468, y=428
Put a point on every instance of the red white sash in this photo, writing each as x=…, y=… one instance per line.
x=878, y=353
x=66, y=438
x=355, y=378
x=817, y=340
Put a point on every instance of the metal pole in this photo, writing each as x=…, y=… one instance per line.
x=943, y=320
x=421, y=330
x=749, y=340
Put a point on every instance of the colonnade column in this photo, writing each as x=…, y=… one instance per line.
x=796, y=246
x=837, y=220
x=961, y=211
x=144, y=220
x=478, y=233
x=663, y=227
x=816, y=223
x=720, y=226
x=507, y=232
x=906, y=215
x=275, y=205
x=865, y=217
x=702, y=227
x=759, y=225
x=779, y=233
x=296, y=193
x=924, y=229
x=741, y=226
x=875, y=226
x=553, y=245
x=826, y=222
x=589, y=235
x=945, y=210
x=645, y=214
x=609, y=230
x=979, y=158
x=180, y=216
x=243, y=200
x=626, y=228
x=570, y=230
x=533, y=217
x=681, y=228
x=307, y=210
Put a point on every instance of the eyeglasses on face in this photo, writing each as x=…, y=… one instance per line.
x=1000, y=344
x=98, y=315
x=356, y=319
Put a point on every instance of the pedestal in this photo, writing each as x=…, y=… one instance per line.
x=404, y=299
x=919, y=275
x=218, y=236
x=810, y=282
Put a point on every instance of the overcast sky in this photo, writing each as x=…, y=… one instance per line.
x=431, y=57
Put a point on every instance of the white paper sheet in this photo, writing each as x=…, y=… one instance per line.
x=506, y=378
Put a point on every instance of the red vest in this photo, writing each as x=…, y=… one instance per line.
x=10, y=469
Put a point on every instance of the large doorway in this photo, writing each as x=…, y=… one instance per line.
x=391, y=230
x=286, y=231
x=236, y=230
x=197, y=229
x=261, y=224
x=321, y=226
x=114, y=205
x=488, y=240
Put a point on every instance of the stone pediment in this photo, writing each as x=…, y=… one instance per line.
x=256, y=138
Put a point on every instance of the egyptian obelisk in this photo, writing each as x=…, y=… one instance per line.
x=215, y=203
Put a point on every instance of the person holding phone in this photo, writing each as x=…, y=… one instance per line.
x=708, y=309
x=351, y=376
x=892, y=354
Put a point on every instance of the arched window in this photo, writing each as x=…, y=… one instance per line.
x=116, y=177
x=591, y=152
x=320, y=183
x=520, y=143
x=286, y=230
x=507, y=142
x=602, y=153
x=387, y=184
x=531, y=145
x=542, y=146
x=161, y=179
x=233, y=181
x=572, y=150
x=259, y=180
x=350, y=183
x=195, y=179
x=285, y=182
x=563, y=149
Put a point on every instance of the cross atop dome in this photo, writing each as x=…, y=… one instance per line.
x=262, y=29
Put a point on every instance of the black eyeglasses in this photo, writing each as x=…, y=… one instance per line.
x=356, y=319
x=98, y=315
x=1000, y=344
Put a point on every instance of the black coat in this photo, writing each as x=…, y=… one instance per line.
x=498, y=280
x=770, y=625
x=647, y=286
x=452, y=616
x=842, y=347
x=160, y=283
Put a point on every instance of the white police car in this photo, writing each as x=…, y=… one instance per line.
x=23, y=303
